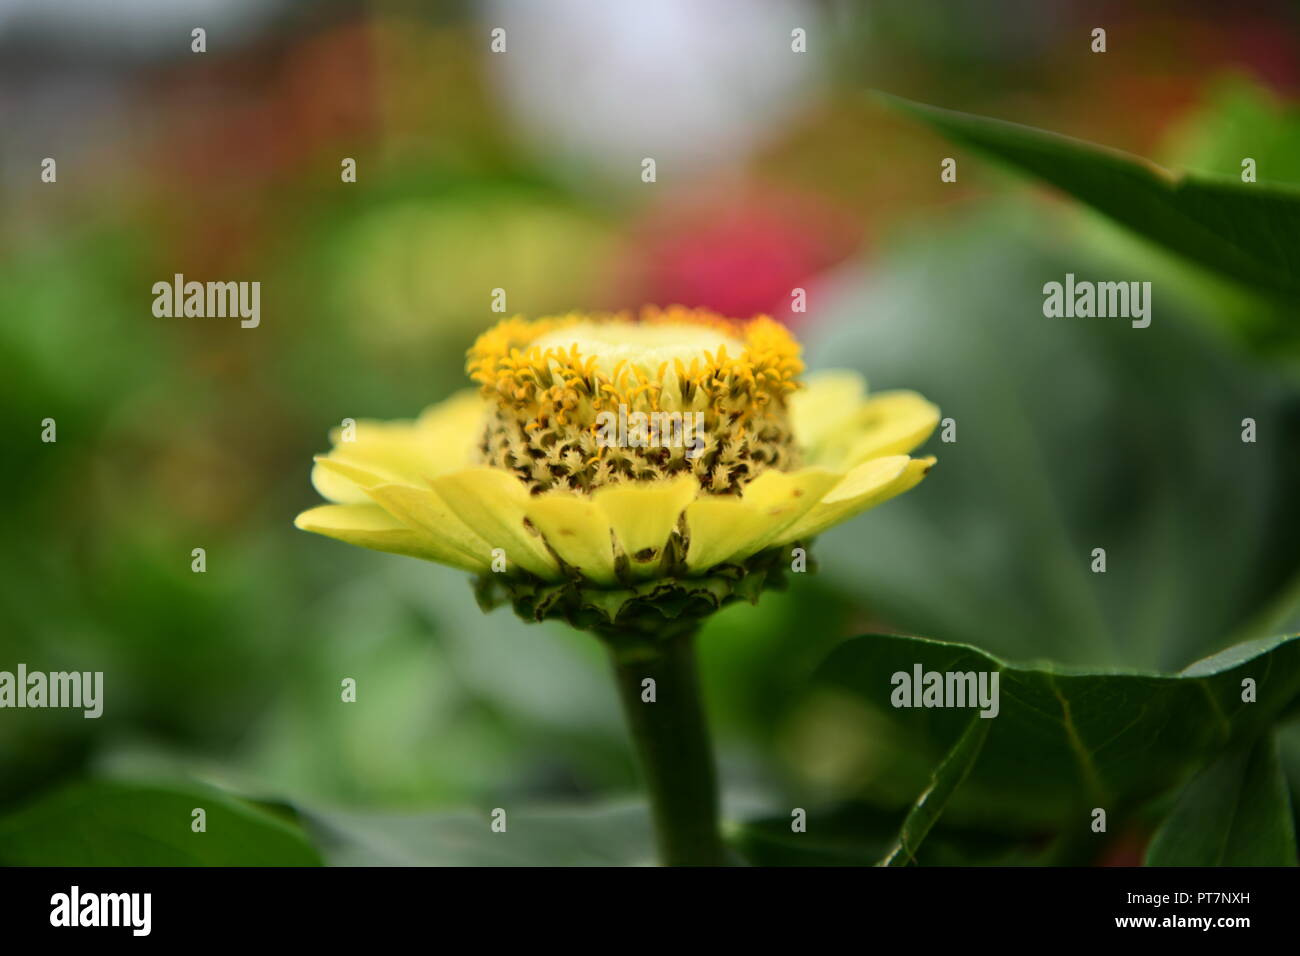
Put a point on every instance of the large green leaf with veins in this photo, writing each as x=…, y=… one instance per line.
x=1237, y=812
x=1064, y=741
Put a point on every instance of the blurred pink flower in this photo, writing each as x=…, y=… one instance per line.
x=737, y=252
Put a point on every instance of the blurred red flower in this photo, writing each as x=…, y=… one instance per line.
x=739, y=252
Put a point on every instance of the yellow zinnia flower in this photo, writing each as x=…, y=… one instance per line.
x=620, y=474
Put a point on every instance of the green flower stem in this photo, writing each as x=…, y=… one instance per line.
x=671, y=738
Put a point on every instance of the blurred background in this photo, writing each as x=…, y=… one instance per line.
x=522, y=171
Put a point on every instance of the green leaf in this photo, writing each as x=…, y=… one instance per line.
x=1069, y=435
x=582, y=836
x=1064, y=741
x=853, y=834
x=1288, y=739
x=945, y=780
x=107, y=823
x=858, y=834
x=1246, y=231
x=1236, y=812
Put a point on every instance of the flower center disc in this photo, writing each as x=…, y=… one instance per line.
x=582, y=402
x=645, y=347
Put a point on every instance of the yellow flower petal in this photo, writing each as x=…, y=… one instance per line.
x=864, y=487
x=425, y=510
x=420, y=509
x=333, y=485
x=890, y=423
x=392, y=451
x=454, y=428
x=370, y=526
x=819, y=410
x=838, y=427
x=731, y=529
x=495, y=504
x=578, y=531
x=643, y=515
x=441, y=440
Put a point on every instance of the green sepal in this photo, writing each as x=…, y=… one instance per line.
x=653, y=609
